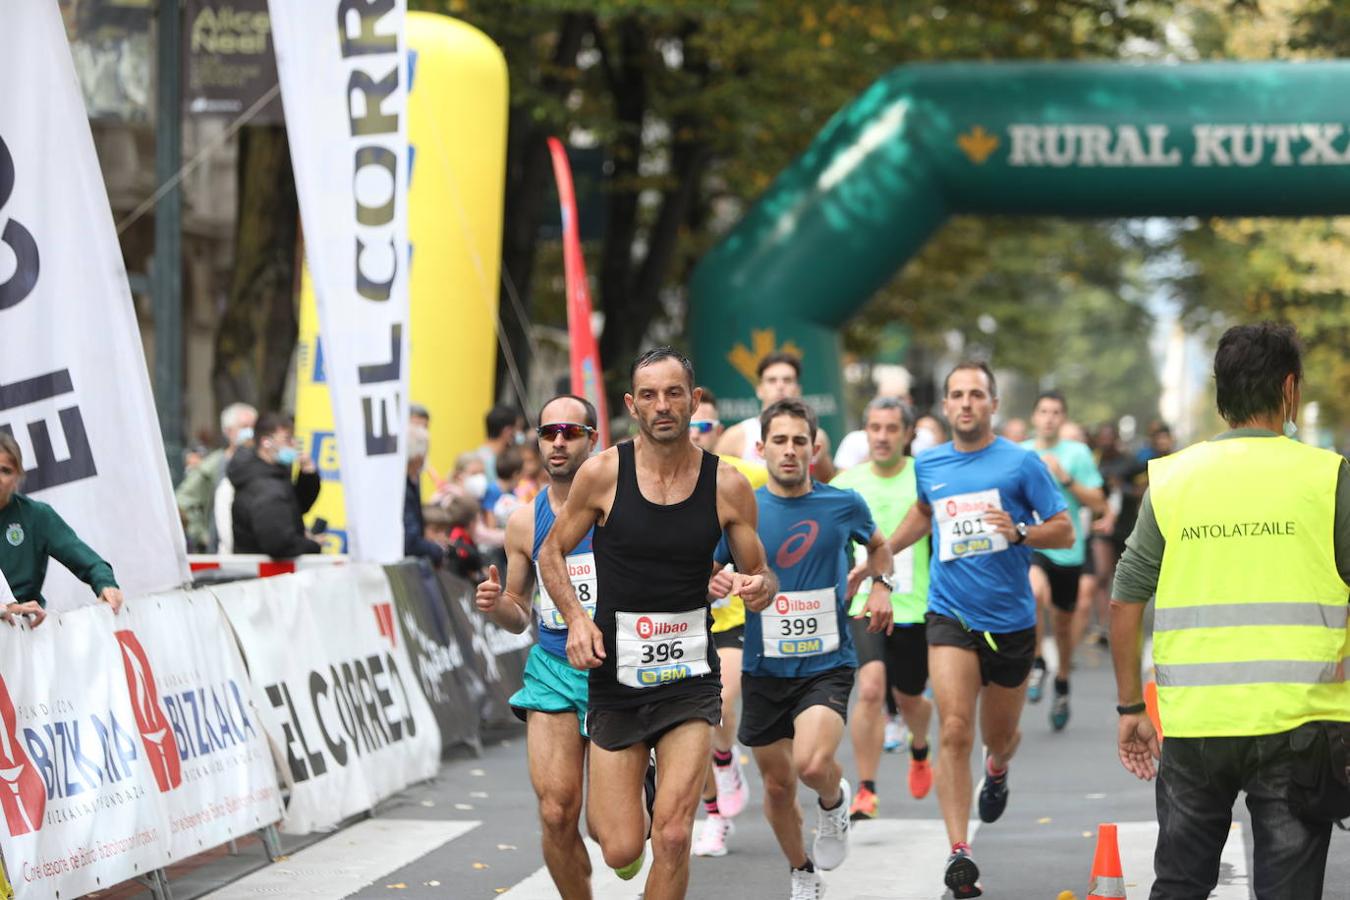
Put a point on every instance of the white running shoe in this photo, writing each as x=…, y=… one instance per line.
x=712, y=836
x=807, y=885
x=733, y=791
x=831, y=845
x=895, y=735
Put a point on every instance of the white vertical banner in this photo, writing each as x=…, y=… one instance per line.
x=344, y=88
x=74, y=390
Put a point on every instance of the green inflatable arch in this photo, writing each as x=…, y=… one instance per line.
x=928, y=141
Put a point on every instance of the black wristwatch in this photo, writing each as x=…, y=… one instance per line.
x=1021, y=533
x=1133, y=709
x=885, y=580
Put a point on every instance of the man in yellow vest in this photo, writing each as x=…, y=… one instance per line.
x=1246, y=541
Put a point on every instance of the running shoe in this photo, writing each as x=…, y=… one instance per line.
x=864, y=805
x=962, y=875
x=1037, y=686
x=807, y=885
x=1059, y=712
x=627, y=872
x=733, y=791
x=993, y=794
x=920, y=778
x=831, y=844
x=712, y=836
x=894, y=737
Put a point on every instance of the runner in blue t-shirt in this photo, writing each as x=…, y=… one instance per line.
x=1055, y=574
x=553, y=695
x=798, y=663
x=988, y=503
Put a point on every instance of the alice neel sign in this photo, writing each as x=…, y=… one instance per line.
x=229, y=62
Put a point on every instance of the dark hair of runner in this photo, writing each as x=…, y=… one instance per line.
x=1250, y=367
x=778, y=358
x=788, y=406
x=656, y=355
x=907, y=415
x=1052, y=395
x=590, y=418
x=708, y=396
x=977, y=364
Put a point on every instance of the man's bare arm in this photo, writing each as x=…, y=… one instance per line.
x=509, y=608
x=916, y=523
x=591, y=488
x=754, y=581
x=1091, y=497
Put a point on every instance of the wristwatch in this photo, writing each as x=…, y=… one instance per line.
x=886, y=580
x=1132, y=709
x=1021, y=533
x=1067, y=483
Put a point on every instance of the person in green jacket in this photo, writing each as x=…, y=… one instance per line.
x=31, y=532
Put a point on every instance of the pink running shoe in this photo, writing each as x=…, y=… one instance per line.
x=733, y=792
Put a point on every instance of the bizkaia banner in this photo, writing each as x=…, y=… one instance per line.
x=335, y=690
x=201, y=734
x=344, y=88
x=74, y=391
x=83, y=770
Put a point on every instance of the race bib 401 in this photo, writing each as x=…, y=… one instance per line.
x=962, y=531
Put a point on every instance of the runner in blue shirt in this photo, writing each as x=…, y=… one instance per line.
x=799, y=660
x=553, y=697
x=988, y=503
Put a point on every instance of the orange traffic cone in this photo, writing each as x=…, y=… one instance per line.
x=1151, y=704
x=1108, y=882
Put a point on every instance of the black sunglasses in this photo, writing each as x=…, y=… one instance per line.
x=569, y=430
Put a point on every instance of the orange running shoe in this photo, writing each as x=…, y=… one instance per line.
x=864, y=805
x=920, y=778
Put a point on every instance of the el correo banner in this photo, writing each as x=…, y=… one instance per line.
x=74, y=390
x=83, y=770
x=339, y=699
x=343, y=86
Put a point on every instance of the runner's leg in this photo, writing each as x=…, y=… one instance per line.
x=681, y=755
x=918, y=714
x=955, y=674
x=615, y=809
x=868, y=719
x=780, y=799
x=1000, y=711
x=557, y=758
x=818, y=731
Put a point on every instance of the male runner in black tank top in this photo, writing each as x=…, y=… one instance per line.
x=659, y=505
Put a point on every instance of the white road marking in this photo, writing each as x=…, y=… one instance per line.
x=1137, y=840
x=348, y=861
x=869, y=872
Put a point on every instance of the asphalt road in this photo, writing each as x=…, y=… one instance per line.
x=472, y=832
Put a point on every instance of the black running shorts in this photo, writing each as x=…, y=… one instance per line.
x=1005, y=659
x=770, y=705
x=647, y=723
x=904, y=651
x=1063, y=582
x=731, y=639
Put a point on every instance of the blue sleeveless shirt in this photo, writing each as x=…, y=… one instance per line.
x=581, y=568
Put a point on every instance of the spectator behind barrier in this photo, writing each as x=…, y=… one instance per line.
x=500, y=499
x=196, y=493
x=503, y=426
x=533, y=476
x=462, y=556
x=414, y=526
x=34, y=532
x=268, y=505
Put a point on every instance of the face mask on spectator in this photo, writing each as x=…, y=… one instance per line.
x=476, y=485
x=924, y=439
x=286, y=456
x=243, y=436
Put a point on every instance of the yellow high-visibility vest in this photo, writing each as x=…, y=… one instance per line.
x=1250, y=626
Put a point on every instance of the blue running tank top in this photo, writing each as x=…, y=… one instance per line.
x=581, y=568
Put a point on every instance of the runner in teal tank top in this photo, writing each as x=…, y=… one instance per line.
x=553, y=697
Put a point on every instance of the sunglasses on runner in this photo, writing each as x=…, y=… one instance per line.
x=569, y=430
x=702, y=426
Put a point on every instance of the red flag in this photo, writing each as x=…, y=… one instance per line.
x=587, y=374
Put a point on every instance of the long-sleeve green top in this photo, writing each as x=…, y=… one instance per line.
x=31, y=532
x=1139, y=568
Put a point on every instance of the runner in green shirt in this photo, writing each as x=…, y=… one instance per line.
x=898, y=661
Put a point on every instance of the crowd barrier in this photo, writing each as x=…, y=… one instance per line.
x=194, y=717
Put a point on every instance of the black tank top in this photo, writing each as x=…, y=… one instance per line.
x=652, y=565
